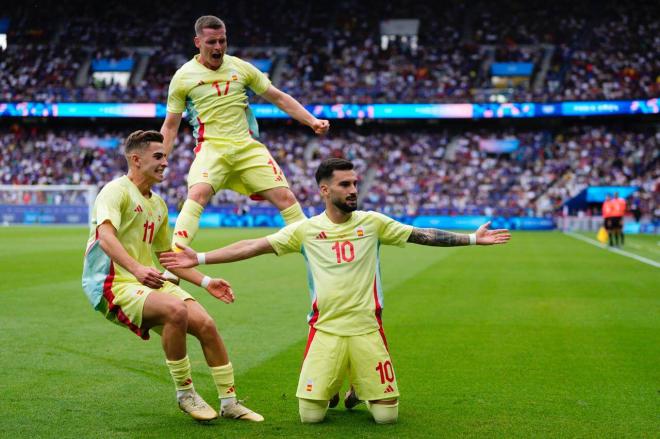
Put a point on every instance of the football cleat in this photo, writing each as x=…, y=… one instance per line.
x=193, y=404
x=334, y=401
x=351, y=399
x=237, y=410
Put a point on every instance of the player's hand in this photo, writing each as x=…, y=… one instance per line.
x=320, y=126
x=220, y=289
x=183, y=259
x=490, y=237
x=149, y=276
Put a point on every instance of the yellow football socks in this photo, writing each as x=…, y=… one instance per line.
x=223, y=377
x=187, y=224
x=291, y=214
x=181, y=373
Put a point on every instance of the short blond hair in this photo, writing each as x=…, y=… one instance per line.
x=208, y=21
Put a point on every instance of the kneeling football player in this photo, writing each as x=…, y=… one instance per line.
x=341, y=249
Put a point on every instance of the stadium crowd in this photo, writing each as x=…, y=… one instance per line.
x=404, y=171
x=334, y=53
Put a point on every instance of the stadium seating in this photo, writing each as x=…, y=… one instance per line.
x=403, y=172
x=332, y=53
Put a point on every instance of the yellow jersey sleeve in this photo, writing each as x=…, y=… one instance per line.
x=176, y=95
x=109, y=205
x=254, y=78
x=287, y=239
x=391, y=232
x=163, y=238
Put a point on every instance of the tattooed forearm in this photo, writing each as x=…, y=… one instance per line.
x=438, y=238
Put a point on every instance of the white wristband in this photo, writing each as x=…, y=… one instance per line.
x=473, y=238
x=201, y=258
x=205, y=282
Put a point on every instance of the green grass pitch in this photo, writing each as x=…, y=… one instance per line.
x=545, y=337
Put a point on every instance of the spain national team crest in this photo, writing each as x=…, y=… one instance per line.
x=359, y=232
x=310, y=386
x=205, y=173
x=234, y=76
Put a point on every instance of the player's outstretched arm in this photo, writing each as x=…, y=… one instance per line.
x=442, y=238
x=147, y=276
x=218, y=288
x=293, y=108
x=235, y=252
x=169, y=130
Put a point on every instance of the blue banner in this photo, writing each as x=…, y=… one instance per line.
x=4, y=25
x=112, y=65
x=43, y=214
x=597, y=194
x=351, y=111
x=511, y=68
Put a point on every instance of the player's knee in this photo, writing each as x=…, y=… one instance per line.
x=384, y=412
x=177, y=313
x=312, y=411
x=207, y=328
x=283, y=198
x=200, y=193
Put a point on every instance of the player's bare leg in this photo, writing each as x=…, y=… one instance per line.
x=286, y=203
x=384, y=411
x=171, y=313
x=202, y=326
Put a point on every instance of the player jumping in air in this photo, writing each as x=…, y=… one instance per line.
x=129, y=224
x=211, y=87
x=341, y=249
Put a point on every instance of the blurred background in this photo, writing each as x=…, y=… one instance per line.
x=527, y=112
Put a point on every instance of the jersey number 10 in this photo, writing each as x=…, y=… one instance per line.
x=344, y=251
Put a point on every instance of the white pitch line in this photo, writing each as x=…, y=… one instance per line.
x=614, y=249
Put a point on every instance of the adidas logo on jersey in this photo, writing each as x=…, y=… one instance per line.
x=389, y=389
x=230, y=390
x=138, y=209
x=182, y=233
x=322, y=235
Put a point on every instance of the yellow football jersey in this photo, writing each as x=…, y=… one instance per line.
x=142, y=229
x=216, y=100
x=343, y=267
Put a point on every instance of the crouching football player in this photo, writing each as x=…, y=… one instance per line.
x=341, y=248
x=129, y=223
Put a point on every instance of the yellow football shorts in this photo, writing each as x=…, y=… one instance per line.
x=123, y=302
x=364, y=359
x=245, y=167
